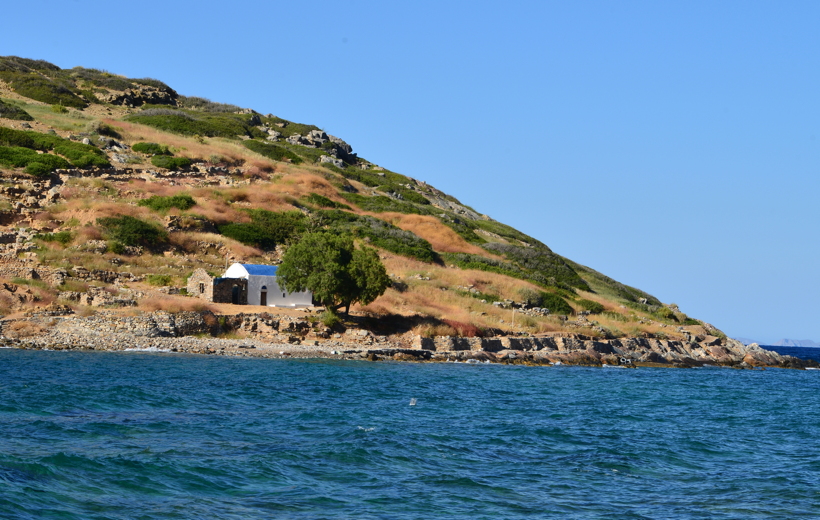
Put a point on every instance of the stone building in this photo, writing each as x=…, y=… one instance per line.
x=246, y=284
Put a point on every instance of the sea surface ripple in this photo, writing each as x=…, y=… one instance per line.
x=145, y=435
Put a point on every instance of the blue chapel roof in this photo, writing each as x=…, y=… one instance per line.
x=260, y=270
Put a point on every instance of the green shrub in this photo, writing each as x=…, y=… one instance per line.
x=159, y=203
x=132, y=231
x=412, y=196
x=382, y=204
x=202, y=124
x=666, y=313
x=591, y=306
x=36, y=164
x=161, y=280
x=478, y=295
x=329, y=319
x=151, y=148
x=170, y=163
x=267, y=229
x=11, y=137
x=100, y=128
x=616, y=316
x=48, y=90
x=80, y=155
x=314, y=199
x=59, y=109
x=555, y=304
x=62, y=237
x=118, y=248
x=272, y=151
x=540, y=265
x=10, y=111
x=205, y=105
x=378, y=233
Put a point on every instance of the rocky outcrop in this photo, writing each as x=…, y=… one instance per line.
x=194, y=331
x=141, y=95
x=579, y=349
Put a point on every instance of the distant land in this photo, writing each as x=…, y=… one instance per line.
x=796, y=343
x=782, y=343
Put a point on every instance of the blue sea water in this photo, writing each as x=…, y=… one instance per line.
x=166, y=436
x=798, y=352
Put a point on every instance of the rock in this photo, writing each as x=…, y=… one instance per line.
x=332, y=160
x=86, y=140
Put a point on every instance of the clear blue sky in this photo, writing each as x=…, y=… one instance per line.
x=670, y=145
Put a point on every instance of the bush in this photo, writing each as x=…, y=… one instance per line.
x=666, y=313
x=555, y=304
x=80, y=155
x=10, y=111
x=161, y=280
x=132, y=231
x=540, y=265
x=465, y=330
x=100, y=128
x=314, y=199
x=59, y=109
x=118, y=248
x=267, y=229
x=591, y=306
x=170, y=163
x=63, y=237
x=206, y=105
x=159, y=203
x=329, y=319
x=272, y=151
x=47, y=90
x=382, y=204
x=378, y=233
x=151, y=149
x=35, y=164
x=203, y=124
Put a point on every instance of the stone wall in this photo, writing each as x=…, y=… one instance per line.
x=223, y=291
x=201, y=285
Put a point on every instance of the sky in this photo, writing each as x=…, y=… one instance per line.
x=672, y=146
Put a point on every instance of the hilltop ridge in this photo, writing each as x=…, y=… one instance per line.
x=91, y=161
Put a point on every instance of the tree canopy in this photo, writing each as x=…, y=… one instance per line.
x=335, y=271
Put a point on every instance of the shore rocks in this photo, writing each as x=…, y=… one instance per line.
x=267, y=335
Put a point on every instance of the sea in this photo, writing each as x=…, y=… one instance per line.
x=812, y=353
x=137, y=435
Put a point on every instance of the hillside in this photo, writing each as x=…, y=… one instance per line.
x=114, y=190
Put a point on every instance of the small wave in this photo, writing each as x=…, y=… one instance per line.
x=148, y=349
x=365, y=429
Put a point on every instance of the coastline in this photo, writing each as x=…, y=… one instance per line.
x=266, y=336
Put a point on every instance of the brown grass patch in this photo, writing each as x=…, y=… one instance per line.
x=190, y=242
x=23, y=329
x=174, y=304
x=231, y=151
x=429, y=330
x=300, y=184
x=441, y=237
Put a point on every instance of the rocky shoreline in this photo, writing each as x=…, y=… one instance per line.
x=267, y=336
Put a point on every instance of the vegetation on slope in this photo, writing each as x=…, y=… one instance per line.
x=447, y=261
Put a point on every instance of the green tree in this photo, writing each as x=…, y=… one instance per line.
x=335, y=272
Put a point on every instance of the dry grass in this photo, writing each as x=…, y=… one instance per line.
x=231, y=151
x=174, y=304
x=441, y=237
x=23, y=329
x=192, y=242
x=428, y=330
x=302, y=183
